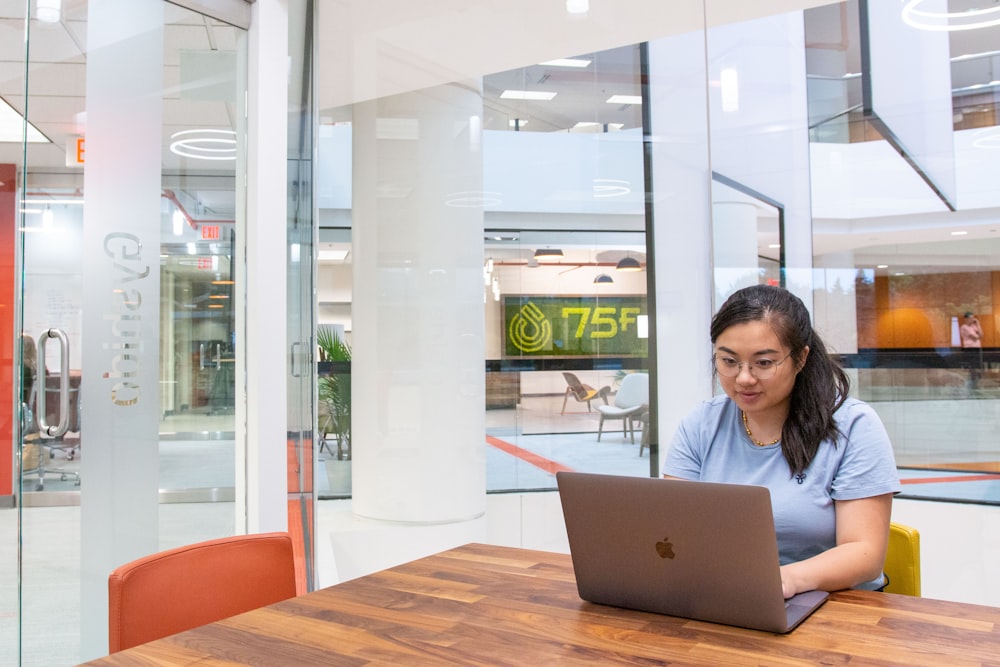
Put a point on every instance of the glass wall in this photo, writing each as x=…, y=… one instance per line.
x=810, y=180
x=127, y=239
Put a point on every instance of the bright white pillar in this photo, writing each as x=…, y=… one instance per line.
x=734, y=246
x=418, y=419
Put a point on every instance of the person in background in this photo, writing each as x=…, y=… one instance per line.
x=970, y=331
x=971, y=334
x=786, y=422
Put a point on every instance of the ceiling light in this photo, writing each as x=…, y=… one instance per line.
x=204, y=144
x=178, y=222
x=624, y=99
x=48, y=11
x=730, y=89
x=628, y=263
x=517, y=123
x=548, y=254
x=537, y=95
x=948, y=21
x=12, y=126
x=882, y=266
x=959, y=233
x=333, y=255
x=603, y=278
x=566, y=62
x=577, y=6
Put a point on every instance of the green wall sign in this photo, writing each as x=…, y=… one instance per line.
x=573, y=326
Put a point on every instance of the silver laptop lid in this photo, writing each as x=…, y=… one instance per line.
x=692, y=549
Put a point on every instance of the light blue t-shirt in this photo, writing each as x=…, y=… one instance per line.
x=711, y=445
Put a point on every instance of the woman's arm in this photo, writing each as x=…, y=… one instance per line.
x=862, y=539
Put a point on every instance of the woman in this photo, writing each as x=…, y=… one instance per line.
x=786, y=422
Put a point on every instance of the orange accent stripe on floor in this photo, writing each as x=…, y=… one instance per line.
x=549, y=466
x=956, y=478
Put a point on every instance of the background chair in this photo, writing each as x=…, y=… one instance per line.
x=631, y=399
x=176, y=590
x=582, y=392
x=902, y=560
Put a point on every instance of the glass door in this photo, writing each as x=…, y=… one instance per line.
x=125, y=231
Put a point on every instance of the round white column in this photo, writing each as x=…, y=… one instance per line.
x=418, y=418
x=734, y=245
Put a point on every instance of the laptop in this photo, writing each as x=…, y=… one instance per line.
x=698, y=550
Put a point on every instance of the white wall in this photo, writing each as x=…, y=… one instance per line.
x=960, y=544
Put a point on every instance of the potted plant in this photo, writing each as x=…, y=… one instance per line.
x=334, y=390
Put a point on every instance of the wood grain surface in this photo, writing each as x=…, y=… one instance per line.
x=489, y=605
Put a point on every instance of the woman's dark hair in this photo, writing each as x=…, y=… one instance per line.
x=820, y=387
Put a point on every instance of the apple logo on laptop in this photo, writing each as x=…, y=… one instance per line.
x=665, y=548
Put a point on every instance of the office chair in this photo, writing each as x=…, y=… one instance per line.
x=902, y=560
x=179, y=589
x=631, y=400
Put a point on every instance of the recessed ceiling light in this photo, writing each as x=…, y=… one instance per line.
x=566, y=62
x=959, y=233
x=536, y=95
x=774, y=245
x=624, y=99
x=333, y=255
x=517, y=122
x=882, y=266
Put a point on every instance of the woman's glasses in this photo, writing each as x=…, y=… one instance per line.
x=761, y=369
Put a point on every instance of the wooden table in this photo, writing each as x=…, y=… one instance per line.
x=488, y=605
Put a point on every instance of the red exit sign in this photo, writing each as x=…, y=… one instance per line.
x=204, y=262
x=210, y=232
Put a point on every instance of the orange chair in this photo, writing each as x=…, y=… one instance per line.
x=176, y=590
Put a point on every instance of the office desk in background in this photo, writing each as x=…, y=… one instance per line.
x=488, y=605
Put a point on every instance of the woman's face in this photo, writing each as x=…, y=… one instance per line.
x=751, y=345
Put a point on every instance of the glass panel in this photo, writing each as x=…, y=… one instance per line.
x=565, y=326
x=580, y=169
x=169, y=373
x=895, y=272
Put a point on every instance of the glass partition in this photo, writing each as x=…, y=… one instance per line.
x=128, y=236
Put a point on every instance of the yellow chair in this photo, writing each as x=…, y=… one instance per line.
x=902, y=560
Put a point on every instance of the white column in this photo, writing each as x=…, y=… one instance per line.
x=734, y=246
x=120, y=402
x=682, y=226
x=418, y=419
x=262, y=366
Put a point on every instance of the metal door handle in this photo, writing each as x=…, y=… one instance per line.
x=294, y=370
x=43, y=427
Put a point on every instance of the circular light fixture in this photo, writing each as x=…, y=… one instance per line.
x=628, y=264
x=948, y=21
x=548, y=254
x=205, y=144
x=603, y=278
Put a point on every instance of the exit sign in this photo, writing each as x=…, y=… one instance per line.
x=210, y=232
x=76, y=151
